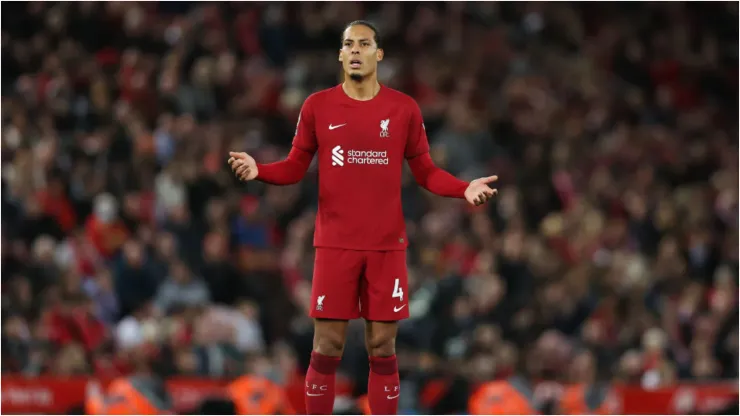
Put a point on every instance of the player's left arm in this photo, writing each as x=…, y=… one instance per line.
x=434, y=179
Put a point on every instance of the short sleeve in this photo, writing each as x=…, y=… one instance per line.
x=305, y=131
x=416, y=141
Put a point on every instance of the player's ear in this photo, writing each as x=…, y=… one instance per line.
x=380, y=54
x=340, y=55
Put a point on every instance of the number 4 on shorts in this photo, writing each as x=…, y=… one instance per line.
x=397, y=291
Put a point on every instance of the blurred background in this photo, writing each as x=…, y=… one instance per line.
x=610, y=254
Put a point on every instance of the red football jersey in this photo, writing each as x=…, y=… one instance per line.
x=361, y=147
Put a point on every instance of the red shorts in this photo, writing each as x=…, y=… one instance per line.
x=349, y=284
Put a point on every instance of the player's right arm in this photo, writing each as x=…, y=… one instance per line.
x=290, y=170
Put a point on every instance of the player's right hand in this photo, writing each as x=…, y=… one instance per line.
x=243, y=166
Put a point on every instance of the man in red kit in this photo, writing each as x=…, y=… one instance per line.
x=362, y=132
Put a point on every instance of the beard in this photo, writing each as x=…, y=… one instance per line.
x=356, y=77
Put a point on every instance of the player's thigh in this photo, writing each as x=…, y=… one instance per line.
x=385, y=286
x=380, y=338
x=335, y=286
x=329, y=336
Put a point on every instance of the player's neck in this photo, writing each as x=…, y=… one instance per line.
x=363, y=90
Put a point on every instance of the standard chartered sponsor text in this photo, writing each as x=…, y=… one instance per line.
x=367, y=157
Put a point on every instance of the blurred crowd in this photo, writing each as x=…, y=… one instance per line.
x=610, y=252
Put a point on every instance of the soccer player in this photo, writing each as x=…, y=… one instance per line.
x=362, y=132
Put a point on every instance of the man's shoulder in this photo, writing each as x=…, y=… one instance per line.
x=321, y=97
x=399, y=97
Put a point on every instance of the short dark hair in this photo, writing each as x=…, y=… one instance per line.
x=376, y=34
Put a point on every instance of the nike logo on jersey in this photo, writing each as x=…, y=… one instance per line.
x=392, y=397
x=314, y=394
x=332, y=127
x=396, y=308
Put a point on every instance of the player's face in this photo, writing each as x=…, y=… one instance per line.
x=359, y=54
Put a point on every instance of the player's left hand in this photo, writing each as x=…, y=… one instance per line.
x=479, y=192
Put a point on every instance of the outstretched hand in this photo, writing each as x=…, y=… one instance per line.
x=243, y=166
x=478, y=192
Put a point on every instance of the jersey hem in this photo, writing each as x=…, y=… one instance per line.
x=360, y=248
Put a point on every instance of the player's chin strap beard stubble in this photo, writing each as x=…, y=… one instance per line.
x=356, y=77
